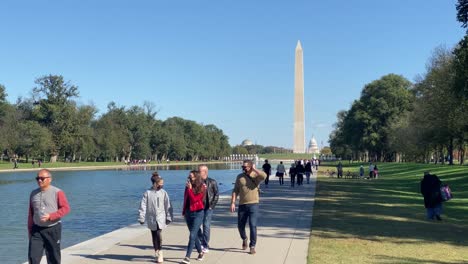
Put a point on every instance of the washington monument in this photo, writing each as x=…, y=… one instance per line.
x=299, y=130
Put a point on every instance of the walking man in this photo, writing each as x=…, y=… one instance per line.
x=246, y=188
x=211, y=199
x=47, y=205
x=267, y=169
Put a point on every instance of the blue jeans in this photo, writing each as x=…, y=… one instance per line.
x=204, y=233
x=194, y=221
x=432, y=212
x=251, y=212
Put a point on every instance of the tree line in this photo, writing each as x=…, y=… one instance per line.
x=51, y=126
x=397, y=120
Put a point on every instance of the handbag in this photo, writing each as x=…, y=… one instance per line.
x=445, y=192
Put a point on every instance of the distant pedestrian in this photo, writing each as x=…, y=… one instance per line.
x=47, y=206
x=211, y=199
x=376, y=172
x=193, y=211
x=361, y=171
x=430, y=189
x=300, y=171
x=15, y=163
x=33, y=164
x=308, y=171
x=267, y=169
x=39, y=163
x=292, y=174
x=317, y=163
x=156, y=211
x=280, y=171
x=246, y=188
x=371, y=170
x=339, y=170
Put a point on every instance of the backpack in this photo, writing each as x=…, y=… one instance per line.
x=446, y=192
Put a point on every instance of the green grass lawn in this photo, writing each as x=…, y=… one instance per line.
x=383, y=220
x=285, y=156
x=9, y=165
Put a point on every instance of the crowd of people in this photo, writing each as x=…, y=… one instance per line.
x=297, y=171
x=48, y=205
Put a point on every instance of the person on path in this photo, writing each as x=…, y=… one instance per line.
x=193, y=211
x=47, y=206
x=292, y=174
x=280, y=171
x=300, y=171
x=308, y=171
x=211, y=199
x=361, y=171
x=430, y=189
x=156, y=211
x=15, y=163
x=246, y=188
x=267, y=169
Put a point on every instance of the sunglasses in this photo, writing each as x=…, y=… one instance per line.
x=243, y=167
x=41, y=178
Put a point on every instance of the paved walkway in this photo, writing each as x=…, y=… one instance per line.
x=283, y=234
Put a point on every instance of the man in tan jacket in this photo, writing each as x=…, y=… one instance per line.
x=246, y=188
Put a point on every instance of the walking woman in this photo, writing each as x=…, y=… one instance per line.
x=193, y=212
x=156, y=211
x=280, y=171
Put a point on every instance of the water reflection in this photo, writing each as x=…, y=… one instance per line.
x=101, y=201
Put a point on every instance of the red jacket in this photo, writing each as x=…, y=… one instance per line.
x=194, y=201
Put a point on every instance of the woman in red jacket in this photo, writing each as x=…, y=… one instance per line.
x=193, y=211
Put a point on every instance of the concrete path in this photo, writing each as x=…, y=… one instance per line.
x=283, y=234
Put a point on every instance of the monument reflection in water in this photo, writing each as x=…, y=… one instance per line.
x=101, y=201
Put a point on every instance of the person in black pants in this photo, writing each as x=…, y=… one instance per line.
x=267, y=169
x=292, y=174
x=300, y=170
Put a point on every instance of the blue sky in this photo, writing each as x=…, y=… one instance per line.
x=228, y=63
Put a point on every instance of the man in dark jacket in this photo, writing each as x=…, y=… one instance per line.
x=211, y=199
x=430, y=189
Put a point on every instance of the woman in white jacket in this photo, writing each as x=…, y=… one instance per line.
x=156, y=211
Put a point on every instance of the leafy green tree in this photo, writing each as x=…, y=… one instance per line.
x=55, y=110
x=462, y=12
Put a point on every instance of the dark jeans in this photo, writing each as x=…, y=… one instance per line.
x=293, y=179
x=47, y=238
x=250, y=212
x=300, y=178
x=157, y=239
x=281, y=178
x=204, y=233
x=267, y=179
x=194, y=221
x=308, y=177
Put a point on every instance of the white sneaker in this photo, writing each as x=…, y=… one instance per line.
x=205, y=250
x=160, y=257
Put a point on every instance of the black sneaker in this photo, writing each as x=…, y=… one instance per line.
x=200, y=256
x=244, y=244
x=438, y=218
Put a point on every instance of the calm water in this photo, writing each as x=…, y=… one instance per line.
x=101, y=201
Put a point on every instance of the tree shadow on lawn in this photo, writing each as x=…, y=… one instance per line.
x=389, y=209
x=408, y=260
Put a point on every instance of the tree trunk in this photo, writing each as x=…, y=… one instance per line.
x=53, y=158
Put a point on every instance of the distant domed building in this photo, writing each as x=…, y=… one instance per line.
x=247, y=143
x=313, y=146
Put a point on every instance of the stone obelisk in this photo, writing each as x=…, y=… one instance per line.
x=299, y=120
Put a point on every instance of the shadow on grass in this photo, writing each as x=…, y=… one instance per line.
x=391, y=208
x=408, y=260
